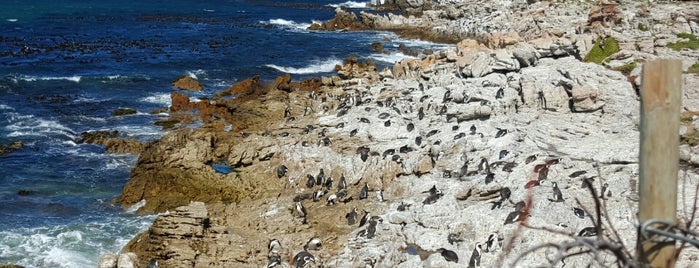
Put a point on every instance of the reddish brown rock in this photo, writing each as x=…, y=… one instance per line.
x=242, y=88
x=187, y=83
x=605, y=15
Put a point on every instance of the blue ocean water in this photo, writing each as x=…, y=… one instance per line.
x=65, y=66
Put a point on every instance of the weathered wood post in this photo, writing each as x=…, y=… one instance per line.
x=659, y=154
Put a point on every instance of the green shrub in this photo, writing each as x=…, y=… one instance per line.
x=602, y=49
x=627, y=68
x=693, y=42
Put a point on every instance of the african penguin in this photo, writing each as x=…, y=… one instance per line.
x=475, y=257
x=448, y=255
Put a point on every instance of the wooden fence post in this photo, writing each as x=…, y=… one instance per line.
x=659, y=154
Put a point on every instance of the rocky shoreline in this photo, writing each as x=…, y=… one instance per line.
x=437, y=151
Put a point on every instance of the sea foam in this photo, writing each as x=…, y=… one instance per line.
x=350, y=4
x=316, y=66
x=32, y=78
x=163, y=98
x=390, y=58
x=287, y=24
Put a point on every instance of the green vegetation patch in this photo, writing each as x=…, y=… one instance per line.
x=626, y=68
x=693, y=42
x=602, y=49
x=694, y=69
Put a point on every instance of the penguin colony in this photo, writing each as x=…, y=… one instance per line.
x=321, y=187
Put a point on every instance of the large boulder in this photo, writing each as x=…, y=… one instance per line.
x=187, y=83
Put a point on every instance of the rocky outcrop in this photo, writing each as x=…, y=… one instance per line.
x=187, y=83
x=112, y=142
x=11, y=147
x=344, y=20
x=437, y=151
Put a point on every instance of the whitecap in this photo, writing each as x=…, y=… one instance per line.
x=194, y=74
x=36, y=127
x=316, y=66
x=163, y=99
x=350, y=4
x=390, y=58
x=6, y=107
x=12, y=20
x=132, y=209
x=71, y=245
x=31, y=78
x=209, y=10
x=287, y=24
x=140, y=131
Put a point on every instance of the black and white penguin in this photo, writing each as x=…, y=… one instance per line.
x=371, y=229
x=432, y=198
x=311, y=181
x=364, y=219
x=605, y=191
x=557, y=195
x=300, y=210
x=379, y=195
x=320, y=178
x=475, y=257
x=303, y=259
x=331, y=200
x=328, y=183
x=342, y=184
x=448, y=255
x=473, y=130
x=274, y=246
x=588, y=231
x=317, y=195
x=420, y=114
x=273, y=260
x=493, y=243
x=351, y=217
x=513, y=217
x=502, y=154
x=483, y=165
x=516, y=215
x=281, y=171
x=501, y=132
x=364, y=193
x=313, y=244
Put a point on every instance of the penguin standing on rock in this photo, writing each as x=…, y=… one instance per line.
x=364, y=219
x=351, y=217
x=364, y=193
x=493, y=243
x=475, y=257
x=557, y=195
